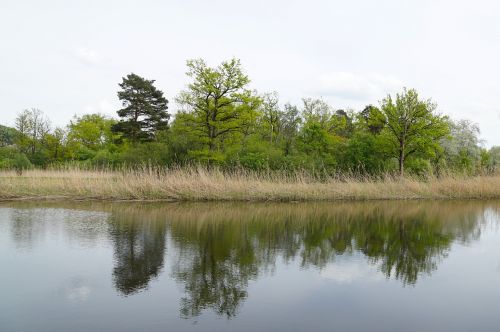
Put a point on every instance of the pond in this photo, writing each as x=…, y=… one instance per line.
x=359, y=266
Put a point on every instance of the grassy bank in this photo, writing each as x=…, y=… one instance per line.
x=199, y=184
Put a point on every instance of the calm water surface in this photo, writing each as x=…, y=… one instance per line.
x=378, y=266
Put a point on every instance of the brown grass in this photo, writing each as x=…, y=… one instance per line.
x=197, y=184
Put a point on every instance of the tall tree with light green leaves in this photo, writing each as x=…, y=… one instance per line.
x=91, y=130
x=217, y=104
x=89, y=134
x=413, y=127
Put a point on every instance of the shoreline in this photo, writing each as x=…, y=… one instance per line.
x=166, y=200
x=192, y=185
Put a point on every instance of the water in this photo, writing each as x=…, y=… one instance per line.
x=378, y=266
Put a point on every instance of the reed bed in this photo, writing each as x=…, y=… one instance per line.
x=199, y=184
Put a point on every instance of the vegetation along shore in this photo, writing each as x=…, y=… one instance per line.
x=190, y=184
x=223, y=140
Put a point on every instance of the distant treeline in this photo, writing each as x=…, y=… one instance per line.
x=221, y=122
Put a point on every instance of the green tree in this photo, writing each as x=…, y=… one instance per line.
x=461, y=149
x=341, y=123
x=271, y=116
x=144, y=111
x=412, y=125
x=372, y=119
x=7, y=136
x=217, y=103
x=291, y=124
x=20, y=163
x=337, y=122
x=494, y=153
x=11, y=158
x=90, y=135
x=32, y=126
x=363, y=153
x=318, y=145
x=317, y=110
x=55, y=146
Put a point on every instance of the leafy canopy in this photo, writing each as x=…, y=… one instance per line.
x=412, y=126
x=217, y=105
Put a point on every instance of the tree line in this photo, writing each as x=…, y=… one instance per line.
x=221, y=122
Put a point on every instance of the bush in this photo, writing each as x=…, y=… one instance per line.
x=418, y=166
x=105, y=158
x=10, y=158
x=21, y=163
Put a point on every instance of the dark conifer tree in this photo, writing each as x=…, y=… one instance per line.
x=144, y=111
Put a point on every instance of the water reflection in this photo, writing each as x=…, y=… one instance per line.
x=404, y=240
x=139, y=249
x=217, y=249
x=216, y=261
x=32, y=223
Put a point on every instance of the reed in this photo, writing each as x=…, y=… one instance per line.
x=201, y=184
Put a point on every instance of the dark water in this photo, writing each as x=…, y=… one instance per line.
x=386, y=266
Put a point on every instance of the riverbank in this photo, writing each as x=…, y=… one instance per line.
x=203, y=185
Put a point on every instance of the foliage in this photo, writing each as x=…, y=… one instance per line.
x=33, y=126
x=144, y=111
x=20, y=163
x=462, y=150
x=91, y=136
x=10, y=158
x=217, y=107
x=372, y=119
x=221, y=122
x=413, y=128
x=364, y=153
x=494, y=160
x=7, y=136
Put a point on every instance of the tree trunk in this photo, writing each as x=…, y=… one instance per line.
x=401, y=158
x=211, y=144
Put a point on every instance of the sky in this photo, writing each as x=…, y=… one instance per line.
x=67, y=57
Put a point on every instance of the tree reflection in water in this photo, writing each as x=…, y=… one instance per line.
x=139, y=247
x=217, y=249
x=221, y=247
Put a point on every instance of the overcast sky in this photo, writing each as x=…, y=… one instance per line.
x=67, y=57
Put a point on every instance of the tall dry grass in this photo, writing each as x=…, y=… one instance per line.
x=198, y=184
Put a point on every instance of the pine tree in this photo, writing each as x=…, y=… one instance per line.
x=144, y=111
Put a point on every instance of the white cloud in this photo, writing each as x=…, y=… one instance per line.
x=88, y=56
x=76, y=289
x=103, y=106
x=349, y=271
x=78, y=293
x=366, y=87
